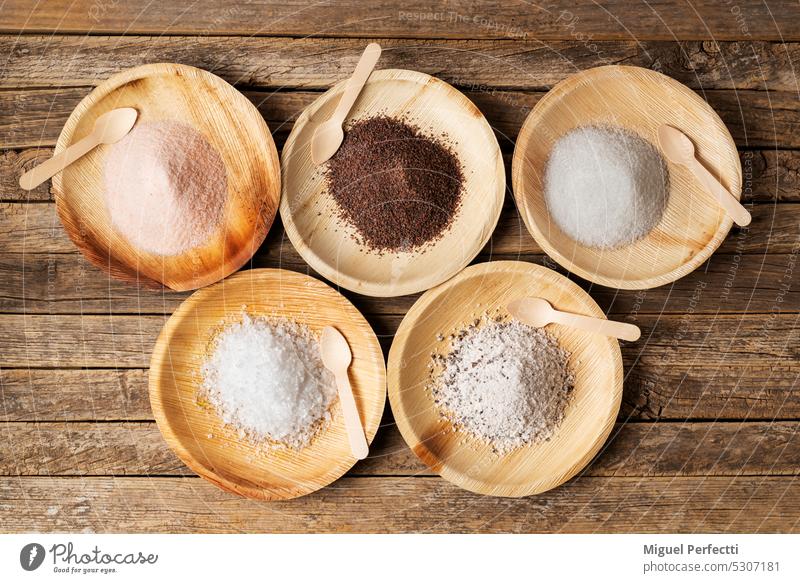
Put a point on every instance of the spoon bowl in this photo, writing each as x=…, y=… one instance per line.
x=536, y=311
x=327, y=139
x=111, y=127
x=336, y=354
x=676, y=145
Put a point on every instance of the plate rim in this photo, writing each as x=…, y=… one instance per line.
x=430, y=458
x=158, y=362
x=520, y=190
x=378, y=289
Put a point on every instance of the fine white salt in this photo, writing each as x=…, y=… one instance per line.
x=266, y=379
x=604, y=186
x=505, y=383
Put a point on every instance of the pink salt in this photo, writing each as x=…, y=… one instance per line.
x=165, y=187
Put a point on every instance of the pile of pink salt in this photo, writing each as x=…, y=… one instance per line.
x=165, y=187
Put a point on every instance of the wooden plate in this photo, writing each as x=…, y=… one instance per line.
x=595, y=361
x=227, y=120
x=693, y=225
x=309, y=212
x=196, y=433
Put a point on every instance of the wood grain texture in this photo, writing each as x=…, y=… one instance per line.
x=753, y=391
x=776, y=19
x=65, y=283
x=74, y=395
x=34, y=228
x=756, y=119
x=688, y=340
x=35, y=116
x=634, y=449
x=120, y=504
x=769, y=175
x=318, y=63
x=680, y=373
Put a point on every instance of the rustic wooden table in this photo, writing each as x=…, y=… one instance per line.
x=708, y=433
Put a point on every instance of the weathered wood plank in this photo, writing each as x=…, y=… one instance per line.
x=733, y=366
x=635, y=449
x=65, y=283
x=316, y=63
x=584, y=21
x=35, y=228
x=769, y=175
x=756, y=119
x=692, y=504
x=78, y=341
x=658, y=391
x=74, y=395
x=13, y=164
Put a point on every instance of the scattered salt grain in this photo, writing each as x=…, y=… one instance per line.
x=604, y=186
x=505, y=383
x=266, y=379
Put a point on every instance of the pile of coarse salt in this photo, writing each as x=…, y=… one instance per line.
x=605, y=186
x=266, y=379
x=504, y=382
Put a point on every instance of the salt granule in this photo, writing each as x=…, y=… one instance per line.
x=265, y=377
x=506, y=383
x=165, y=187
x=605, y=186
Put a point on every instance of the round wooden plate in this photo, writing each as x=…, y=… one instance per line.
x=693, y=224
x=195, y=431
x=227, y=120
x=595, y=361
x=309, y=212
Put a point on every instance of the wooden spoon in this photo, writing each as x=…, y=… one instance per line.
x=680, y=150
x=328, y=136
x=336, y=357
x=538, y=312
x=108, y=128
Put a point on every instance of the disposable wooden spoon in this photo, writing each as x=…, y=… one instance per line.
x=538, y=312
x=108, y=128
x=336, y=357
x=328, y=136
x=680, y=150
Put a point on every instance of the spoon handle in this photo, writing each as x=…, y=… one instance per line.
x=35, y=176
x=727, y=201
x=621, y=330
x=357, y=81
x=355, y=431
